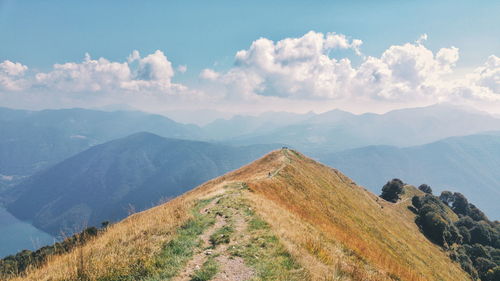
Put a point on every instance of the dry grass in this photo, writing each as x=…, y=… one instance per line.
x=124, y=247
x=344, y=220
x=333, y=228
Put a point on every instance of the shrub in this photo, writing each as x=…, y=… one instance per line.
x=460, y=204
x=392, y=189
x=446, y=197
x=477, y=238
x=415, y=201
x=465, y=234
x=481, y=234
x=493, y=274
x=425, y=188
x=483, y=265
x=459, y=255
x=476, y=214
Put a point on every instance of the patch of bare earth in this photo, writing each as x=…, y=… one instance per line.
x=230, y=268
x=203, y=252
x=234, y=268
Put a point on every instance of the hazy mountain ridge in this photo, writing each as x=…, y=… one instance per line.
x=338, y=130
x=469, y=164
x=33, y=140
x=102, y=182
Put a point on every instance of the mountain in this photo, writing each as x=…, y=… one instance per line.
x=469, y=164
x=283, y=217
x=339, y=130
x=104, y=182
x=246, y=126
x=33, y=140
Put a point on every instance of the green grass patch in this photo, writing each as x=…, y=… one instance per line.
x=207, y=271
x=256, y=224
x=265, y=254
x=221, y=236
x=178, y=251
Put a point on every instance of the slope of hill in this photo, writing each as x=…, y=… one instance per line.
x=339, y=130
x=106, y=181
x=283, y=217
x=33, y=140
x=470, y=165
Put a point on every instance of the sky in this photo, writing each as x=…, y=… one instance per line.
x=161, y=56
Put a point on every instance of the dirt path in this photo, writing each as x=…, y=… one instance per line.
x=202, y=254
x=233, y=268
x=230, y=268
x=285, y=163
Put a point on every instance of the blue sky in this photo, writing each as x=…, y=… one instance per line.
x=201, y=33
x=35, y=35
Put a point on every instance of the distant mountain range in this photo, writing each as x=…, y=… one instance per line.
x=339, y=130
x=33, y=140
x=469, y=164
x=105, y=181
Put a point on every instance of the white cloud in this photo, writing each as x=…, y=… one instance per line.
x=488, y=75
x=12, y=76
x=292, y=67
x=421, y=39
x=209, y=74
x=89, y=75
x=301, y=72
x=182, y=68
x=155, y=67
x=152, y=73
x=302, y=68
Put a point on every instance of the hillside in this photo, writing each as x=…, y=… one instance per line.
x=283, y=217
x=31, y=141
x=107, y=181
x=470, y=165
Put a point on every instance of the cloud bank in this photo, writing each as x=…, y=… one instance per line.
x=303, y=68
x=315, y=69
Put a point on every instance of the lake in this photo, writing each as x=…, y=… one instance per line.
x=16, y=235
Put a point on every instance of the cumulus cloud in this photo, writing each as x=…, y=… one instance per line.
x=209, y=74
x=303, y=68
x=152, y=73
x=488, y=75
x=182, y=68
x=292, y=67
x=313, y=70
x=12, y=76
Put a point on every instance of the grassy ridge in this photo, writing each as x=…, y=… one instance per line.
x=368, y=233
x=304, y=222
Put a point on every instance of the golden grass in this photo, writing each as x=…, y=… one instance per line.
x=333, y=228
x=335, y=209
x=120, y=249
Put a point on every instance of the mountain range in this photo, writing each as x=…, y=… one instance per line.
x=338, y=130
x=469, y=164
x=31, y=141
x=106, y=181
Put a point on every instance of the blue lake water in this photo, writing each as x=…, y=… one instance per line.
x=16, y=235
